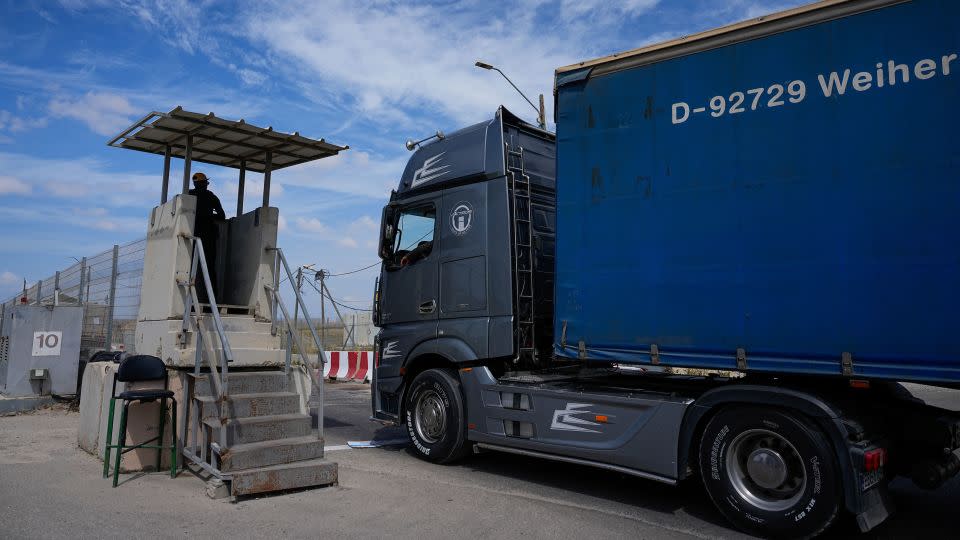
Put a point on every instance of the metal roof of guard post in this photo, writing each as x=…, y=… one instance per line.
x=206, y=321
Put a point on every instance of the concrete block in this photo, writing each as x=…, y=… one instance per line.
x=13, y=405
x=91, y=405
x=317, y=472
x=217, y=489
x=267, y=453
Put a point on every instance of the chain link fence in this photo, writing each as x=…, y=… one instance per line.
x=107, y=285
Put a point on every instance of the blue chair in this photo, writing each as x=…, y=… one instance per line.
x=140, y=368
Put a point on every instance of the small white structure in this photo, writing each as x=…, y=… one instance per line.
x=40, y=350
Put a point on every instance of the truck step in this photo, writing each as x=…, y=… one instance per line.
x=315, y=472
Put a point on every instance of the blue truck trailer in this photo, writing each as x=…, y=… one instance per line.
x=725, y=265
x=788, y=204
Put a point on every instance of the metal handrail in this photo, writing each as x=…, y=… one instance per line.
x=218, y=378
x=316, y=370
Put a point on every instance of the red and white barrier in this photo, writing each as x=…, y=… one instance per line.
x=348, y=365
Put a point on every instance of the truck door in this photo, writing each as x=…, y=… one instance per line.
x=464, y=274
x=410, y=290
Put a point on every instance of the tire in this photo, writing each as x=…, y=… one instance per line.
x=435, y=416
x=791, y=487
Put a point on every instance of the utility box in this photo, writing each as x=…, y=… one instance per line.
x=40, y=350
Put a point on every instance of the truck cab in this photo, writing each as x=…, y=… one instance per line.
x=467, y=243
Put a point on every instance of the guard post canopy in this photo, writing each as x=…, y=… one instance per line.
x=228, y=143
x=241, y=266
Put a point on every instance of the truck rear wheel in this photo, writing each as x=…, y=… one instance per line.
x=435, y=416
x=769, y=472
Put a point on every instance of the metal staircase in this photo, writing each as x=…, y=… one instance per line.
x=522, y=213
x=252, y=429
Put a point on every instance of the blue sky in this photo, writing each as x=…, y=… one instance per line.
x=368, y=74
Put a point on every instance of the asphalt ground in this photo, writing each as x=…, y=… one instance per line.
x=49, y=489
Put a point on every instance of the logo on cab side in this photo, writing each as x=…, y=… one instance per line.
x=568, y=419
x=432, y=168
x=461, y=218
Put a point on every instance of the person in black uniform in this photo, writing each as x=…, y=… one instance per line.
x=209, y=213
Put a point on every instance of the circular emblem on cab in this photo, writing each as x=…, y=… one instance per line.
x=461, y=218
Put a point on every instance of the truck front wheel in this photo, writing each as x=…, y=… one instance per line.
x=435, y=416
x=769, y=472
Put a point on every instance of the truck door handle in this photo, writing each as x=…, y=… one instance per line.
x=428, y=307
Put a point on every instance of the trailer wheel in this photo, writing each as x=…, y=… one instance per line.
x=435, y=416
x=769, y=472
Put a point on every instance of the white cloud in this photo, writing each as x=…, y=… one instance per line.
x=13, y=186
x=365, y=223
x=14, y=124
x=352, y=172
x=84, y=178
x=104, y=113
x=312, y=225
x=179, y=22
x=8, y=278
x=604, y=10
x=343, y=235
x=385, y=55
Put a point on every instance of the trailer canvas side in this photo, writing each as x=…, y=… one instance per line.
x=781, y=197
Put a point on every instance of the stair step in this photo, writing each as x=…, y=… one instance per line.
x=263, y=428
x=246, y=382
x=268, y=453
x=315, y=472
x=242, y=356
x=252, y=405
x=238, y=340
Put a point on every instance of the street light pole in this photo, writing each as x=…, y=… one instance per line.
x=541, y=116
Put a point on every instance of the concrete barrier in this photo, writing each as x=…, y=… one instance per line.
x=349, y=365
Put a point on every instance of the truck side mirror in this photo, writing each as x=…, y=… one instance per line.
x=387, y=231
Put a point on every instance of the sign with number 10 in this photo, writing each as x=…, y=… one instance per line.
x=47, y=343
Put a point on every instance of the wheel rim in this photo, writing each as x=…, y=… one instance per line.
x=766, y=470
x=431, y=418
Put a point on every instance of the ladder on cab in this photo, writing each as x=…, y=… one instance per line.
x=522, y=214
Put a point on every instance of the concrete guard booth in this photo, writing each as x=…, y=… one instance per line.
x=244, y=401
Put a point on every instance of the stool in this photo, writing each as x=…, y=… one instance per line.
x=140, y=368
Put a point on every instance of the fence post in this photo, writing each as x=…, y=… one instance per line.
x=39, y=291
x=56, y=288
x=83, y=280
x=113, y=296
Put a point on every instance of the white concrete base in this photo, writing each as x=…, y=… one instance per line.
x=250, y=340
x=143, y=420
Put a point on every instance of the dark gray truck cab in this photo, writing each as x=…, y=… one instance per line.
x=464, y=303
x=455, y=302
